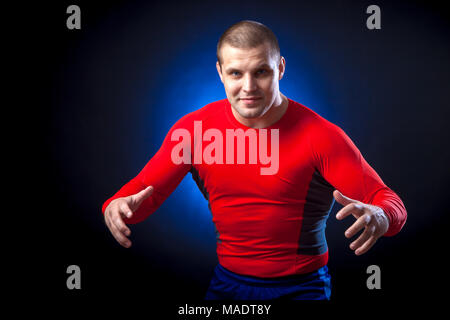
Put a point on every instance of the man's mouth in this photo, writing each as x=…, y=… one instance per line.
x=250, y=100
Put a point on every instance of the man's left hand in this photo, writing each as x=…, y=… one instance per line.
x=371, y=218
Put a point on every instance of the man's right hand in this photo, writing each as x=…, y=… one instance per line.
x=124, y=207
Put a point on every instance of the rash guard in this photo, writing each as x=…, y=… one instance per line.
x=269, y=225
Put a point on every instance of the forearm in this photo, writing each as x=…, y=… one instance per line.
x=134, y=186
x=161, y=173
x=393, y=207
x=342, y=165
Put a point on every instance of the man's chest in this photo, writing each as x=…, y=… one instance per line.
x=279, y=169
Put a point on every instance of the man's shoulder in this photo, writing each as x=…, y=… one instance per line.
x=212, y=109
x=314, y=124
x=308, y=115
x=208, y=112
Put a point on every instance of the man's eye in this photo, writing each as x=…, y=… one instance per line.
x=262, y=71
x=235, y=73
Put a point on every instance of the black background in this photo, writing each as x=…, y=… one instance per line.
x=402, y=130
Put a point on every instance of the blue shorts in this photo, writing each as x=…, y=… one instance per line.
x=227, y=285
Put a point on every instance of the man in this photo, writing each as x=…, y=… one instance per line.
x=270, y=221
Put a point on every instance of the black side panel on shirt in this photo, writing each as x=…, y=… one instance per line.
x=319, y=202
x=201, y=186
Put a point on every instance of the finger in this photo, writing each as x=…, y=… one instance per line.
x=366, y=246
x=343, y=199
x=125, y=210
x=120, y=224
x=121, y=239
x=142, y=195
x=368, y=232
x=362, y=221
x=107, y=220
x=353, y=208
x=114, y=218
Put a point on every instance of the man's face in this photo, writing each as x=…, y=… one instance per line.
x=250, y=78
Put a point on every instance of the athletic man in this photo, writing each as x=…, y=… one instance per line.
x=269, y=218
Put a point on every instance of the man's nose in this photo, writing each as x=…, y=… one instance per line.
x=249, y=83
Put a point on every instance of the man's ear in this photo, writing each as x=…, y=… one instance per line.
x=281, y=68
x=219, y=70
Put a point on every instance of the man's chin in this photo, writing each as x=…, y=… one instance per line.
x=250, y=114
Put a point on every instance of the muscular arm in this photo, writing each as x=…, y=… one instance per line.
x=161, y=173
x=340, y=162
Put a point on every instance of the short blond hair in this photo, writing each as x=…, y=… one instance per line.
x=248, y=34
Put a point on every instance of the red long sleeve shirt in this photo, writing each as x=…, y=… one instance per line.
x=268, y=225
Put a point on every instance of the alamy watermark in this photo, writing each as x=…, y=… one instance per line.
x=374, y=20
x=74, y=20
x=74, y=280
x=215, y=153
x=373, y=281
